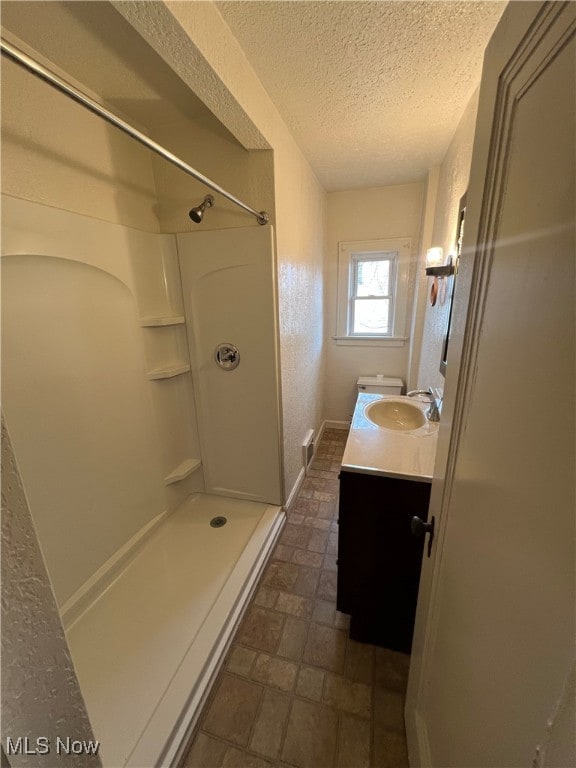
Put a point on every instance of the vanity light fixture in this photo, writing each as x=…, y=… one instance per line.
x=436, y=268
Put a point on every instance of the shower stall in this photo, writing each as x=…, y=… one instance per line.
x=140, y=385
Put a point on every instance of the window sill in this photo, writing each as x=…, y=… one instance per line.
x=370, y=341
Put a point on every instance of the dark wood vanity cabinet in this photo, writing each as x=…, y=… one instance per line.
x=379, y=560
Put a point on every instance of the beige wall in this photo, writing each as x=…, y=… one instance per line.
x=207, y=146
x=452, y=184
x=365, y=214
x=55, y=152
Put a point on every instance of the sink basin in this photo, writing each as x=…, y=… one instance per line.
x=395, y=414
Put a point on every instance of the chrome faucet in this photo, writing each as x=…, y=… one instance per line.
x=432, y=414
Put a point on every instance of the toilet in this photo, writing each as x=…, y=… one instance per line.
x=380, y=385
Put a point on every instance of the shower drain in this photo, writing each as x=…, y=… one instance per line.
x=218, y=522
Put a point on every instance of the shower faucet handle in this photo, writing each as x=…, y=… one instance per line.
x=227, y=356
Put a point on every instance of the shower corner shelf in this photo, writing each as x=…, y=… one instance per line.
x=182, y=471
x=169, y=371
x=159, y=322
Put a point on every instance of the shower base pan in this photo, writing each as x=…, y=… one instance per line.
x=148, y=646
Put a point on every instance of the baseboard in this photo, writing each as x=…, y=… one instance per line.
x=295, y=488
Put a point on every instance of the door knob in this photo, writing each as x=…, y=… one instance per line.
x=420, y=528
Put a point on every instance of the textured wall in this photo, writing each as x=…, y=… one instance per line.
x=365, y=214
x=452, y=184
x=40, y=692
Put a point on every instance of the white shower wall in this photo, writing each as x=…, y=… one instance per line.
x=95, y=438
x=228, y=285
x=105, y=411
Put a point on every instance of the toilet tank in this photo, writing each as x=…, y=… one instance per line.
x=379, y=384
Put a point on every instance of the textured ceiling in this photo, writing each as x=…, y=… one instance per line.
x=372, y=91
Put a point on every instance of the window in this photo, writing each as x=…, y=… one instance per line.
x=372, y=291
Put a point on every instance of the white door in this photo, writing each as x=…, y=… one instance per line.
x=492, y=678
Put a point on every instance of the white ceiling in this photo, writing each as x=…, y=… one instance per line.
x=372, y=91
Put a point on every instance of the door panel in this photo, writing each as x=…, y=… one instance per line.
x=499, y=644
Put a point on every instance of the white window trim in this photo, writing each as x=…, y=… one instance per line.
x=346, y=252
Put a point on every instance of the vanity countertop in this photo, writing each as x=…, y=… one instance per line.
x=374, y=450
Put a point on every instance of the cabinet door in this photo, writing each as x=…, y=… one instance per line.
x=379, y=560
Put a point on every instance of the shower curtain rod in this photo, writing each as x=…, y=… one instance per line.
x=52, y=79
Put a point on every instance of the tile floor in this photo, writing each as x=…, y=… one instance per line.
x=294, y=689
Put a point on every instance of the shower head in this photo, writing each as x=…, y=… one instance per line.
x=197, y=213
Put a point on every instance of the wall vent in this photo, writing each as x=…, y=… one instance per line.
x=308, y=448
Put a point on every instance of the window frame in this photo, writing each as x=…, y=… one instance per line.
x=366, y=256
x=349, y=254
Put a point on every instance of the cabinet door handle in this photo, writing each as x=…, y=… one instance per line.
x=420, y=528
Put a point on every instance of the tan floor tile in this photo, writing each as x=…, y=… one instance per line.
x=343, y=694
x=310, y=683
x=324, y=612
x=266, y=597
x=315, y=483
x=307, y=581
x=233, y=710
x=317, y=522
x=275, y=672
x=359, y=662
x=326, y=474
x=294, y=605
x=311, y=736
x=295, y=536
x=283, y=552
x=332, y=486
x=305, y=507
x=305, y=493
x=353, y=743
x=205, y=752
x=327, y=586
x=325, y=648
x=342, y=620
x=303, y=557
x=293, y=638
x=327, y=509
x=332, y=547
x=323, y=496
x=390, y=749
x=330, y=563
x=388, y=710
x=391, y=669
x=270, y=724
x=317, y=540
x=321, y=464
x=236, y=758
x=295, y=519
x=240, y=660
x=261, y=629
x=280, y=575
